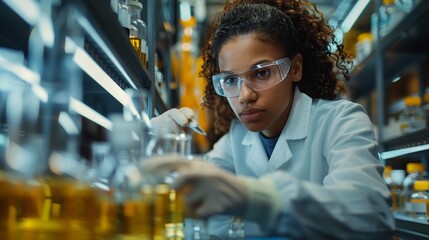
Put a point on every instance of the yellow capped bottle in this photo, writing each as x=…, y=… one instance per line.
x=412, y=118
x=420, y=200
x=415, y=172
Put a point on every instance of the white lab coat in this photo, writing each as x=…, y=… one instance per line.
x=325, y=166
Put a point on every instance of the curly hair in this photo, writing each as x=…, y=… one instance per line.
x=297, y=26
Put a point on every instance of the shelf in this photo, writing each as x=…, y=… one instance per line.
x=409, y=144
x=105, y=41
x=109, y=46
x=405, y=46
x=107, y=37
x=404, y=151
x=363, y=75
x=410, y=228
x=411, y=33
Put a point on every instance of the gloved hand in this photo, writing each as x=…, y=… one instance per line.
x=175, y=118
x=211, y=190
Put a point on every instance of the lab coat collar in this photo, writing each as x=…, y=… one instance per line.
x=299, y=116
x=295, y=129
x=297, y=124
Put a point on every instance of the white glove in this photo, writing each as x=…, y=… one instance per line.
x=175, y=118
x=211, y=190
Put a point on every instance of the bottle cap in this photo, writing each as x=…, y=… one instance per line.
x=421, y=185
x=412, y=101
x=415, y=167
x=135, y=4
x=364, y=36
x=387, y=169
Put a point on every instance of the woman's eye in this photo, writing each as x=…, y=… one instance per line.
x=263, y=74
x=231, y=80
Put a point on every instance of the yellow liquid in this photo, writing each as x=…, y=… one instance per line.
x=397, y=200
x=68, y=210
x=161, y=208
x=143, y=58
x=47, y=210
x=171, y=215
x=10, y=194
x=136, y=43
x=135, y=218
x=106, y=223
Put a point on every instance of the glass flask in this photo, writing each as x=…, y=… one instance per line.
x=133, y=198
x=169, y=220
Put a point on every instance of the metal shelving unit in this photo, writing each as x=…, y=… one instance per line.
x=107, y=38
x=410, y=228
x=362, y=76
x=405, y=46
x=104, y=41
x=403, y=49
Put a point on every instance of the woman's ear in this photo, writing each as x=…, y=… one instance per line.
x=296, y=68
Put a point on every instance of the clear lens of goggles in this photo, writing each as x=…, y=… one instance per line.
x=259, y=78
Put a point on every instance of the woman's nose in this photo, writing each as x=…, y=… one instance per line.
x=246, y=94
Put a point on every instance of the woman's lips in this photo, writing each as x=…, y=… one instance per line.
x=251, y=115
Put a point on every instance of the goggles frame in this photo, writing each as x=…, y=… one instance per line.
x=283, y=66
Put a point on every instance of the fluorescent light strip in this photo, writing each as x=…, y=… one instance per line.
x=89, y=113
x=47, y=31
x=90, y=67
x=88, y=27
x=67, y=123
x=27, y=9
x=27, y=75
x=40, y=92
x=396, y=79
x=19, y=70
x=353, y=15
x=404, y=151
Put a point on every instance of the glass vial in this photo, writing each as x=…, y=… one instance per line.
x=124, y=15
x=396, y=189
x=138, y=31
x=236, y=229
x=412, y=118
x=415, y=172
x=390, y=15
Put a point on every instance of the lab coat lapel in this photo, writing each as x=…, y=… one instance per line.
x=295, y=130
x=257, y=158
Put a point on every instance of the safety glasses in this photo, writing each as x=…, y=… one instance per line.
x=259, y=77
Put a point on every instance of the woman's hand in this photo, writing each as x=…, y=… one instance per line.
x=175, y=118
x=209, y=189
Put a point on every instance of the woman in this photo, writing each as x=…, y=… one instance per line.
x=292, y=159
